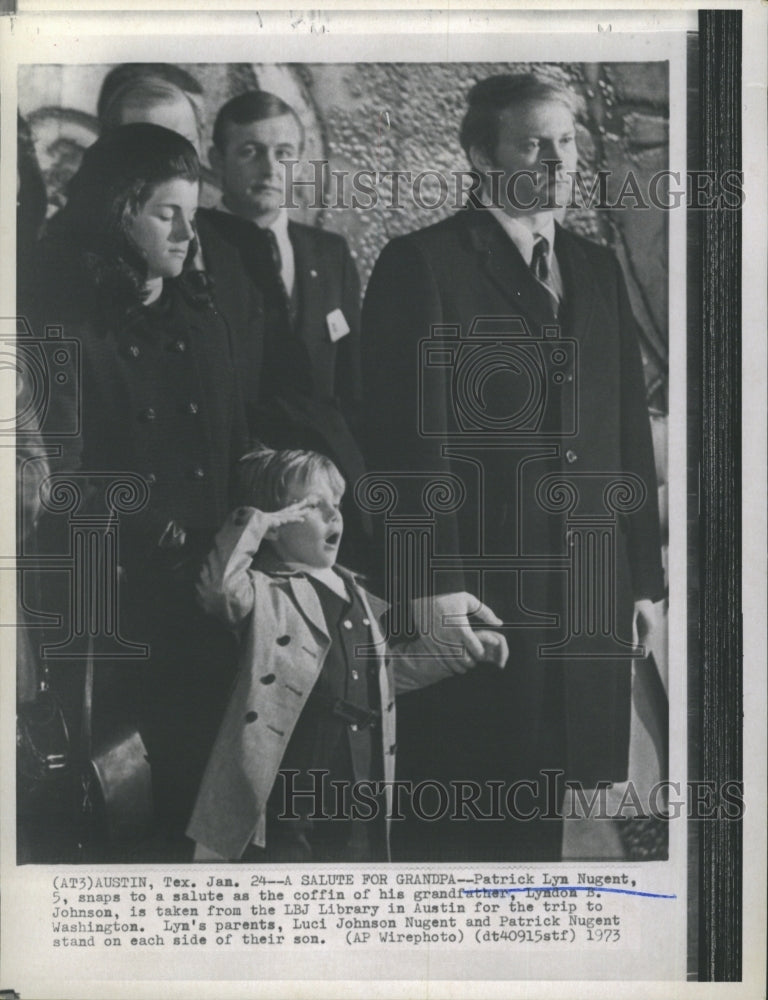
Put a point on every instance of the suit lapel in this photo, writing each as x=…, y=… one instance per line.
x=309, y=284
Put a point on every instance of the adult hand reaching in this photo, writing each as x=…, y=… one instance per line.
x=446, y=617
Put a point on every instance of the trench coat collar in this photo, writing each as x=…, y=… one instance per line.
x=305, y=594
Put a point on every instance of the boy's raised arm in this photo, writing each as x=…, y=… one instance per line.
x=224, y=587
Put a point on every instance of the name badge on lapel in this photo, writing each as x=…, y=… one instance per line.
x=337, y=325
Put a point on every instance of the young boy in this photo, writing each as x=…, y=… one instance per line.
x=315, y=695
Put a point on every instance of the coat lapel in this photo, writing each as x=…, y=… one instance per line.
x=308, y=603
x=304, y=594
x=500, y=259
x=579, y=284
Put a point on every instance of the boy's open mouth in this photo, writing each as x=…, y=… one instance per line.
x=333, y=538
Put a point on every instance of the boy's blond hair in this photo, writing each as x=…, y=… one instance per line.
x=266, y=475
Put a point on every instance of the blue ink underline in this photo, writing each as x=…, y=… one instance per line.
x=570, y=888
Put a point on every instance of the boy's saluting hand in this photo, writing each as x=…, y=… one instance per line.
x=292, y=514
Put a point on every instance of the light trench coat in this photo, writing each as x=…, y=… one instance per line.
x=285, y=641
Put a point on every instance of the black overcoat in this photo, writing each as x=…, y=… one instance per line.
x=519, y=404
x=153, y=395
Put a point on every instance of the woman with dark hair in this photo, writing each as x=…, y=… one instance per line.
x=156, y=399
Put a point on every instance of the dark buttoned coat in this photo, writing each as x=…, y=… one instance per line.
x=154, y=396
x=468, y=372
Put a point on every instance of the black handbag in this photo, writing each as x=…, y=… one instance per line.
x=115, y=781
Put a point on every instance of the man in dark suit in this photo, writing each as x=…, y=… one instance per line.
x=309, y=371
x=501, y=357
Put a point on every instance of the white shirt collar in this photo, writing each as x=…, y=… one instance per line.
x=327, y=575
x=523, y=236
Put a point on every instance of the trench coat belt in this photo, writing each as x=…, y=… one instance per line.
x=350, y=713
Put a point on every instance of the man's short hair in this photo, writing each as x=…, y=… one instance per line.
x=145, y=92
x=125, y=73
x=253, y=106
x=489, y=98
x=265, y=475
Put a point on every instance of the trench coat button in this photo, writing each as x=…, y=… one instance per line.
x=355, y=675
x=366, y=621
x=150, y=478
x=134, y=351
x=192, y=407
x=347, y=624
x=571, y=456
x=251, y=716
x=268, y=679
x=283, y=640
x=148, y=415
x=353, y=727
x=179, y=346
x=198, y=472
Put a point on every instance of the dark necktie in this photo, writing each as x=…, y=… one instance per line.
x=286, y=367
x=277, y=262
x=540, y=260
x=541, y=271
